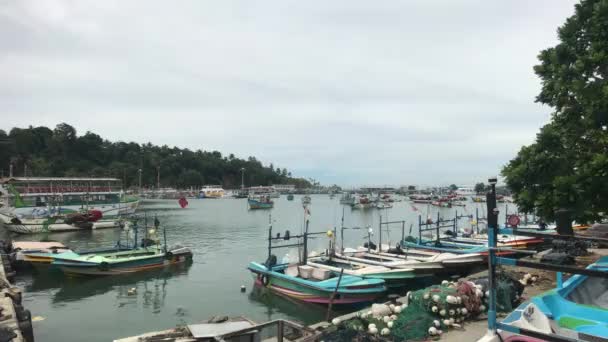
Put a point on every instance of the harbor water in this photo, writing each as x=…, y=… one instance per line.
x=224, y=237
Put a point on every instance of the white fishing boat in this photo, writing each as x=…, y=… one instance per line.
x=35, y=204
x=211, y=191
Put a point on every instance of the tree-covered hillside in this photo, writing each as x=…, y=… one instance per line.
x=41, y=151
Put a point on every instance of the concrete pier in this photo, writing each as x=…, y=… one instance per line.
x=15, y=321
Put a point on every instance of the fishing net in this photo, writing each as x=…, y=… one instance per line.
x=355, y=330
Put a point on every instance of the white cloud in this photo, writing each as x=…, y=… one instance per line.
x=344, y=91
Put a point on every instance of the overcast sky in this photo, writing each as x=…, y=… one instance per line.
x=348, y=92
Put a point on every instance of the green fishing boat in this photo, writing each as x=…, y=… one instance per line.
x=150, y=255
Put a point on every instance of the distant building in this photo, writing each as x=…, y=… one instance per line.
x=284, y=188
x=465, y=191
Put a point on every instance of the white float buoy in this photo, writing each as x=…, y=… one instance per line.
x=385, y=332
x=437, y=323
x=442, y=312
x=398, y=309
x=436, y=298
x=389, y=324
x=434, y=308
x=336, y=321
x=386, y=319
x=432, y=331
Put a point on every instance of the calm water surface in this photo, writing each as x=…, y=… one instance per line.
x=224, y=237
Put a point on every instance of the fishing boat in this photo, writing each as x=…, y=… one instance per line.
x=452, y=263
x=442, y=204
x=149, y=255
x=393, y=277
x=44, y=197
x=260, y=202
x=450, y=247
x=363, y=256
x=267, y=191
x=85, y=220
x=347, y=199
x=306, y=200
x=384, y=205
x=211, y=191
x=310, y=284
x=363, y=203
x=577, y=309
x=290, y=197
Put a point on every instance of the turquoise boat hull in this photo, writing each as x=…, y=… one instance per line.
x=255, y=204
x=352, y=289
x=124, y=262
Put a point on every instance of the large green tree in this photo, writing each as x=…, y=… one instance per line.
x=567, y=166
x=62, y=152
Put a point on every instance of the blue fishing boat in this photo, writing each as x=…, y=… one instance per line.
x=314, y=285
x=260, y=202
x=311, y=284
x=577, y=309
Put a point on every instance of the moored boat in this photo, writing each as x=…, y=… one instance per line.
x=347, y=199
x=577, y=309
x=316, y=285
x=290, y=197
x=260, y=202
x=393, y=277
x=44, y=197
x=150, y=255
x=306, y=200
x=211, y=191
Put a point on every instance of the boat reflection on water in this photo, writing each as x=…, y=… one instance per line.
x=278, y=307
x=151, y=286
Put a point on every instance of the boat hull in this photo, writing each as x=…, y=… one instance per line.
x=158, y=260
x=353, y=290
x=35, y=226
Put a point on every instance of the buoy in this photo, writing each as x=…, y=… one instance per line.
x=426, y=295
x=534, y=279
x=385, y=332
x=389, y=324
x=442, y=312
x=393, y=317
x=386, y=319
x=447, y=322
x=459, y=299
x=392, y=307
x=398, y=309
x=434, y=309
x=445, y=283
x=464, y=311
x=436, y=298
x=373, y=330
x=330, y=233
x=243, y=288
x=432, y=331
x=482, y=308
x=371, y=325
x=451, y=299
x=451, y=312
x=437, y=324
x=335, y=321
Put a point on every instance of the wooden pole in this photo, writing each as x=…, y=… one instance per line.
x=333, y=295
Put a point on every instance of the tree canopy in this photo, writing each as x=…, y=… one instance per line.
x=567, y=165
x=479, y=188
x=40, y=151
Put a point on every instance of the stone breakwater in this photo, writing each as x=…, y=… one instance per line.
x=15, y=320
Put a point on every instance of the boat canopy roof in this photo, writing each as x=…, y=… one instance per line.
x=7, y=180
